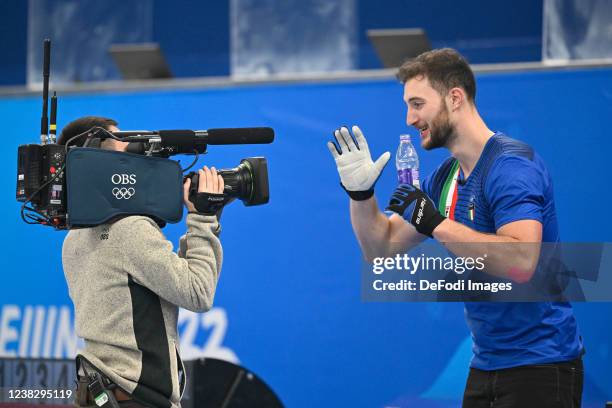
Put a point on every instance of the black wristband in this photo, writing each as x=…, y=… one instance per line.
x=359, y=195
x=428, y=223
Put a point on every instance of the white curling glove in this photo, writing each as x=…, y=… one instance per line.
x=358, y=173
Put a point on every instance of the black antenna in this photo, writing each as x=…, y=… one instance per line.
x=44, y=123
x=53, y=119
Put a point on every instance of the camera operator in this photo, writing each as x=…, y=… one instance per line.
x=127, y=284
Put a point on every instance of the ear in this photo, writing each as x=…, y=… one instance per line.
x=456, y=98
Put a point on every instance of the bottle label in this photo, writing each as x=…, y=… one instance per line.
x=408, y=176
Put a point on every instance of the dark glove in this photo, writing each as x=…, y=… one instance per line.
x=208, y=203
x=415, y=207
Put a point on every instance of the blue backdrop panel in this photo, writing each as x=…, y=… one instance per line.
x=288, y=300
x=194, y=35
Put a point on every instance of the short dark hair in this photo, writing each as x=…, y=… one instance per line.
x=82, y=125
x=445, y=69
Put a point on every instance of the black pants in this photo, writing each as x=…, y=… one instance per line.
x=557, y=385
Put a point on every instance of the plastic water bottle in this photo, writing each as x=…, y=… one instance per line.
x=407, y=162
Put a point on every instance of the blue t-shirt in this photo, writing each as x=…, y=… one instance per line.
x=509, y=183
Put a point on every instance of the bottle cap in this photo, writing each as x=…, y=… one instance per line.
x=405, y=137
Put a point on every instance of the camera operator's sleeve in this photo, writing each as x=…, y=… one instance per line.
x=188, y=281
x=182, y=246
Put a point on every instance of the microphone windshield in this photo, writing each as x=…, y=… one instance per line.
x=257, y=135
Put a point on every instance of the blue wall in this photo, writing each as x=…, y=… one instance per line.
x=195, y=35
x=290, y=284
x=483, y=31
x=13, y=41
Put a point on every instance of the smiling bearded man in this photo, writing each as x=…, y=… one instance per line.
x=493, y=189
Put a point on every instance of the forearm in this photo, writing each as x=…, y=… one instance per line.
x=204, y=255
x=371, y=227
x=506, y=256
x=378, y=235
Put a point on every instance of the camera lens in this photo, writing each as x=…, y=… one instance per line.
x=247, y=182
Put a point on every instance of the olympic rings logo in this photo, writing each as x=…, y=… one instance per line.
x=123, y=193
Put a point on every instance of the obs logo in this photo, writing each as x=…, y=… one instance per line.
x=123, y=179
x=122, y=192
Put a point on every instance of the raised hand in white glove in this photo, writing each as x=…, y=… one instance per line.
x=358, y=173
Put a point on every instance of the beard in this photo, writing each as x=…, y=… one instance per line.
x=441, y=131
